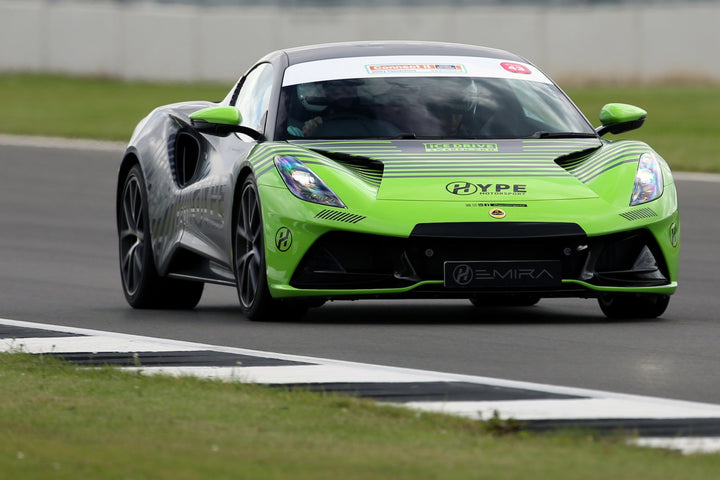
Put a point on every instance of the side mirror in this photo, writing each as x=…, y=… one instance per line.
x=619, y=118
x=222, y=121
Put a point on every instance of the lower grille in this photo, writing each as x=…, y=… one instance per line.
x=345, y=260
x=628, y=259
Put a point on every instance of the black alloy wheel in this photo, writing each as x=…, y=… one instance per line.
x=249, y=255
x=131, y=232
x=142, y=286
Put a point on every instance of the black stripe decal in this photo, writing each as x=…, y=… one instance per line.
x=639, y=214
x=597, y=174
x=339, y=216
x=479, y=174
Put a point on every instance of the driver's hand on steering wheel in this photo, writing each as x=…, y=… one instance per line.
x=311, y=125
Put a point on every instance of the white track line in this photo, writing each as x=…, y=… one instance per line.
x=688, y=446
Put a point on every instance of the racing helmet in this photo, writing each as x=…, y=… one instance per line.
x=451, y=95
x=312, y=97
x=463, y=97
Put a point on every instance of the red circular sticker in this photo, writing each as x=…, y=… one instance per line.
x=515, y=67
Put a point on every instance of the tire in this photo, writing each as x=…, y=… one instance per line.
x=628, y=306
x=142, y=286
x=249, y=257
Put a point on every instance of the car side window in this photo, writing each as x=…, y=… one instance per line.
x=254, y=96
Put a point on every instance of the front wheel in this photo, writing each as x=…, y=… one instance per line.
x=629, y=306
x=249, y=256
x=142, y=286
x=256, y=301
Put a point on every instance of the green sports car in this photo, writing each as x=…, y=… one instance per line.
x=395, y=170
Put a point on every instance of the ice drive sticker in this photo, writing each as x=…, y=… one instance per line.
x=460, y=147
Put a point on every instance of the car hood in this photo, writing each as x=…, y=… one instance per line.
x=475, y=170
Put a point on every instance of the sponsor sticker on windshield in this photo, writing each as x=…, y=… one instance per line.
x=513, y=67
x=460, y=147
x=416, y=68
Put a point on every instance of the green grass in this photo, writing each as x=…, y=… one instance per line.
x=682, y=122
x=85, y=107
x=62, y=422
x=682, y=119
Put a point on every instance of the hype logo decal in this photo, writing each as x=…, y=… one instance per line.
x=283, y=239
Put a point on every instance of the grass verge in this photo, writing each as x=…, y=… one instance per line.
x=86, y=107
x=63, y=422
x=681, y=124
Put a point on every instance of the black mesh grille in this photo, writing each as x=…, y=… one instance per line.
x=629, y=259
x=346, y=260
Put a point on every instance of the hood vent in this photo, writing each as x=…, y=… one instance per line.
x=368, y=170
x=572, y=160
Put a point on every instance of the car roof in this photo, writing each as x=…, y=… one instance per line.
x=311, y=53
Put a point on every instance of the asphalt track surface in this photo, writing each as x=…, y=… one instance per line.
x=58, y=265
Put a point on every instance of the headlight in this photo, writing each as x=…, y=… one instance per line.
x=648, y=180
x=303, y=182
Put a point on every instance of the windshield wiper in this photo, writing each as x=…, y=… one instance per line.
x=544, y=134
x=404, y=135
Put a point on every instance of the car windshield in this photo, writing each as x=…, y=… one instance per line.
x=444, y=107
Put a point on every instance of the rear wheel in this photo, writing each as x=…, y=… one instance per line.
x=631, y=306
x=142, y=286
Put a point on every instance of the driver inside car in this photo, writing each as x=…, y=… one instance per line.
x=330, y=99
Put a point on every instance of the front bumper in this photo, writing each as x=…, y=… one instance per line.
x=343, y=264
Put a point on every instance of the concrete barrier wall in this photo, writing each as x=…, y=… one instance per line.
x=189, y=43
